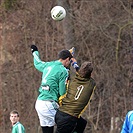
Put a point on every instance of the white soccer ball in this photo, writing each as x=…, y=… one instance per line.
x=58, y=13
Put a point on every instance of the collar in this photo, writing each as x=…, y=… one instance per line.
x=15, y=124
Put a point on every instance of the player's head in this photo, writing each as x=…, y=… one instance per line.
x=86, y=69
x=14, y=116
x=64, y=54
x=65, y=57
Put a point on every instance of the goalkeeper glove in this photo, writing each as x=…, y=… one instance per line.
x=72, y=50
x=34, y=48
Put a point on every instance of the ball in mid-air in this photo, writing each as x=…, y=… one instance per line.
x=58, y=13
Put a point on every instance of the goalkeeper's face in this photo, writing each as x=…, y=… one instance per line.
x=14, y=118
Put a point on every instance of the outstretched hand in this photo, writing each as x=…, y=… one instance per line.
x=34, y=48
x=72, y=50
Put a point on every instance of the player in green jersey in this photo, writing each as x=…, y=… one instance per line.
x=75, y=101
x=53, y=85
x=17, y=127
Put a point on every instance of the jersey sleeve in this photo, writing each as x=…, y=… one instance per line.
x=39, y=65
x=125, y=128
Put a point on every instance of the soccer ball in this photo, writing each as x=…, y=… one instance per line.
x=58, y=13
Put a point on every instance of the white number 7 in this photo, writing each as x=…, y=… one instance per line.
x=44, y=78
x=79, y=90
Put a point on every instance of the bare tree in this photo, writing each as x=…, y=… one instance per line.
x=100, y=30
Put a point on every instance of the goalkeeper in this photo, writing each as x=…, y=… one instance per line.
x=79, y=92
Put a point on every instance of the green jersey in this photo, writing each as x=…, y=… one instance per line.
x=18, y=128
x=78, y=95
x=54, y=76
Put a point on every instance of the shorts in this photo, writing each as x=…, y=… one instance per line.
x=69, y=124
x=46, y=111
x=65, y=122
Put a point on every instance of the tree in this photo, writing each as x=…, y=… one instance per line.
x=100, y=30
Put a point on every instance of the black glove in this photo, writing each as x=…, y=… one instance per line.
x=33, y=48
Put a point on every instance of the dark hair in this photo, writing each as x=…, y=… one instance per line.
x=86, y=70
x=63, y=54
x=14, y=112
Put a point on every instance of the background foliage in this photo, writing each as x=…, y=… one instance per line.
x=101, y=32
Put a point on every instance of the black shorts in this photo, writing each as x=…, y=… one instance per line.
x=68, y=124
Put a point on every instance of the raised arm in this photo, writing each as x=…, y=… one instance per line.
x=39, y=65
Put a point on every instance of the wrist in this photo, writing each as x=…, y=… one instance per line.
x=75, y=65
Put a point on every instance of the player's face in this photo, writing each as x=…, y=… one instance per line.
x=67, y=62
x=14, y=118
